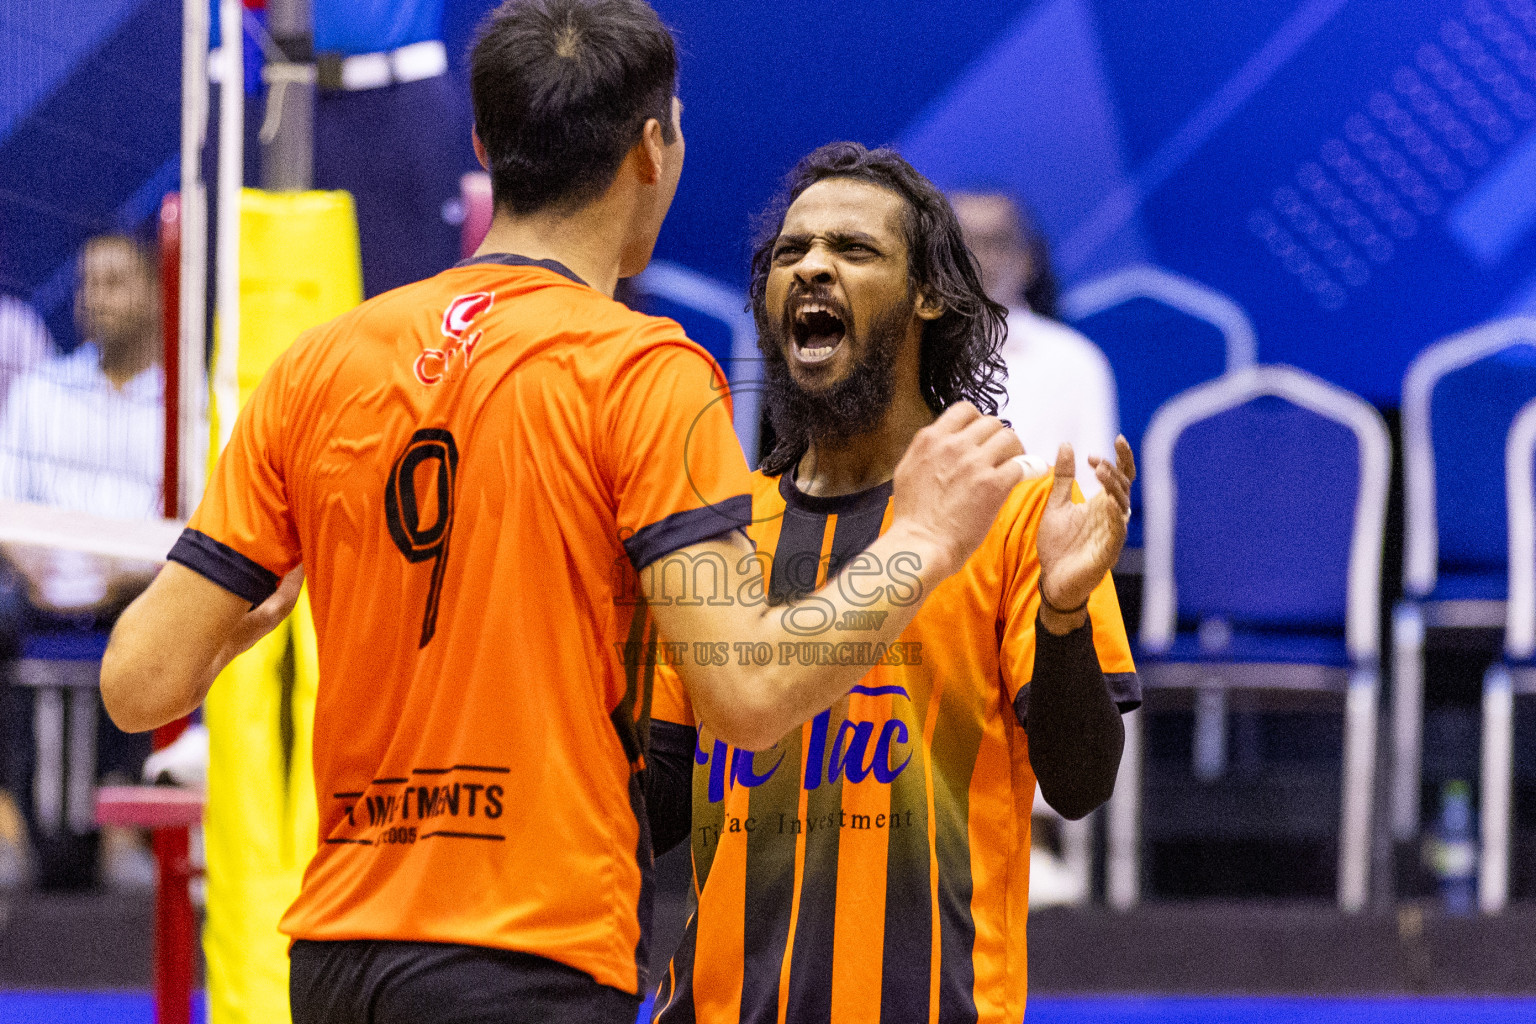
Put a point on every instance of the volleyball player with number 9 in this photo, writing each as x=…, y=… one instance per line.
x=470, y=471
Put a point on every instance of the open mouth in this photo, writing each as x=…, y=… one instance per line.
x=818, y=330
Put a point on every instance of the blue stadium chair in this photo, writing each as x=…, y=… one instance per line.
x=1162, y=335
x=1266, y=495
x=1516, y=674
x=1460, y=396
x=690, y=297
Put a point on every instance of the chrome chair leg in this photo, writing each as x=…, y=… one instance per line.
x=1497, y=785
x=1360, y=725
x=1123, y=828
x=1407, y=719
x=1210, y=731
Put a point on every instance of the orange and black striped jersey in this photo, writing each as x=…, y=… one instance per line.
x=468, y=468
x=874, y=865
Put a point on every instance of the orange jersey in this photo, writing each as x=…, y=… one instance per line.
x=468, y=468
x=874, y=865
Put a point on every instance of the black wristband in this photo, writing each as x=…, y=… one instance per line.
x=1045, y=603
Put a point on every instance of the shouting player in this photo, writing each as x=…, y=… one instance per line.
x=874, y=864
x=457, y=466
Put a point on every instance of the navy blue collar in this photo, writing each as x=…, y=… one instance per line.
x=508, y=259
x=842, y=504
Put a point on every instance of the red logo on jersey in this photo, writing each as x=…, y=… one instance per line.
x=435, y=365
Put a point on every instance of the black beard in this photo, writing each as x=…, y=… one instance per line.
x=851, y=407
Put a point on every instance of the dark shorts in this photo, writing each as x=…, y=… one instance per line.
x=377, y=982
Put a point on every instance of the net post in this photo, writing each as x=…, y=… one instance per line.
x=174, y=922
x=192, y=312
x=183, y=277
x=226, y=377
x=175, y=927
x=170, y=325
x=170, y=321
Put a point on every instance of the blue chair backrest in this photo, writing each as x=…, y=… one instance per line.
x=1266, y=515
x=1471, y=410
x=1460, y=397
x=1156, y=352
x=1265, y=506
x=1162, y=335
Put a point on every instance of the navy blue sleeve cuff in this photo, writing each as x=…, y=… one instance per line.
x=683, y=529
x=225, y=566
x=1124, y=690
x=1021, y=706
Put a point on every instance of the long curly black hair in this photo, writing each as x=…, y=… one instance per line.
x=959, y=359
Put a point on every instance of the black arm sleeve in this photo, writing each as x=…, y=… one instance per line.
x=669, y=784
x=1075, y=733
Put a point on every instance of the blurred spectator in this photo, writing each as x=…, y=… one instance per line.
x=1060, y=386
x=85, y=431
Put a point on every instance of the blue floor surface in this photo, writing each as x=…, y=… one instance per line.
x=82, y=1008
x=135, y=1008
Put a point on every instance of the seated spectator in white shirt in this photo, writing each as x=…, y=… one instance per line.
x=85, y=431
x=1060, y=386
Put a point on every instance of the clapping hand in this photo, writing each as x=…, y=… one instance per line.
x=955, y=476
x=1079, y=543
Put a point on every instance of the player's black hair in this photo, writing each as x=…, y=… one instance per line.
x=562, y=90
x=959, y=360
